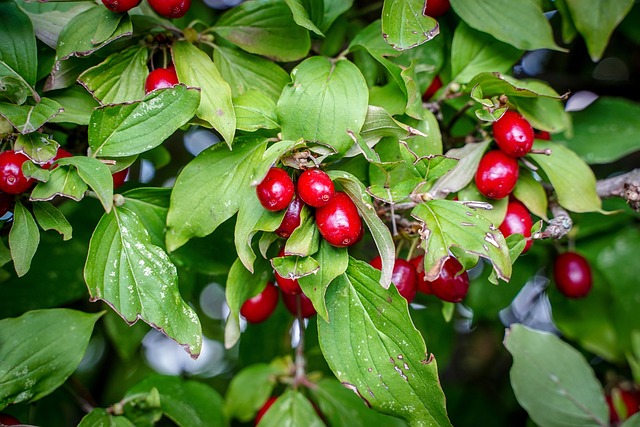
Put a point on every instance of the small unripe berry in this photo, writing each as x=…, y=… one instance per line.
x=497, y=174
x=513, y=134
x=572, y=274
x=276, y=190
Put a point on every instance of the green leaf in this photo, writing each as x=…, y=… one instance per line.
x=305, y=239
x=119, y=78
x=99, y=417
x=532, y=194
x=96, y=174
x=24, y=238
x=446, y=224
x=18, y=42
x=249, y=389
x=49, y=19
x=265, y=28
x=151, y=206
x=38, y=147
x=254, y=110
x=373, y=348
x=404, y=24
x=29, y=118
x=524, y=27
x=553, y=381
x=463, y=172
x=138, y=280
x=188, y=403
x=474, y=52
x=572, y=179
x=544, y=113
x=77, y=103
x=324, y=101
x=50, y=218
x=13, y=88
x=332, y=10
x=301, y=15
x=291, y=409
x=595, y=21
x=63, y=181
x=496, y=84
x=294, y=267
x=29, y=372
x=195, y=68
x=607, y=119
x=244, y=72
x=128, y=129
x=495, y=215
x=209, y=189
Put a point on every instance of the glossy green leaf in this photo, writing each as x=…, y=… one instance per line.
x=244, y=72
x=324, y=101
x=38, y=147
x=291, y=409
x=63, y=181
x=78, y=105
x=95, y=174
x=249, y=389
x=187, y=403
x=265, y=28
x=29, y=118
x=24, y=238
x=495, y=215
x=607, y=119
x=524, y=27
x=373, y=348
x=50, y=218
x=544, y=113
x=49, y=19
x=379, y=123
x=553, y=381
x=13, y=88
x=119, y=78
x=572, y=179
x=137, y=279
x=195, y=68
x=446, y=223
x=305, y=239
x=496, y=84
x=65, y=73
x=18, y=42
x=209, y=189
x=332, y=10
x=99, y=417
x=596, y=20
x=255, y=110
x=474, y=52
x=463, y=172
x=302, y=16
x=404, y=24
x=129, y=129
x=294, y=267
x=28, y=372
x=532, y=194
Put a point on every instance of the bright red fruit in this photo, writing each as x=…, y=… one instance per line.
x=542, y=134
x=264, y=409
x=338, y=221
x=276, y=190
x=497, y=174
x=436, y=8
x=513, y=134
x=630, y=400
x=404, y=276
x=306, y=306
x=120, y=6
x=59, y=155
x=286, y=285
x=572, y=274
x=424, y=286
x=451, y=286
x=315, y=187
x=517, y=221
x=120, y=177
x=170, y=8
x=160, y=78
x=435, y=85
x=12, y=180
x=291, y=219
x=8, y=420
x=258, y=308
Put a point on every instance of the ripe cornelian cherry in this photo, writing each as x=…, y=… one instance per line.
x=404, y=276
x=315, y=187
x=436, y=8
x=291, y=219
x=630, y=400
x=258, y=308
x=8, y=420
x=170, y=8
x=120, y=6
x=120, y=177
x=12, y=180
x=432, y=89
x=160, y=78
x=513, y=134
x=306, y=306
x=59, y=155
x=286, y=285
x=517, y=221
x=338, y=221
x=451, y=286
x=424, y=285
x=276, y=190
x=264, y=409
x=572, y=274
x=497, y=174
x=542, y=134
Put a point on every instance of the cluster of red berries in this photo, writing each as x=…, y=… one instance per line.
x=165, y=8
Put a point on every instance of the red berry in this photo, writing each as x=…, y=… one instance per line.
x=276, y=190
x=517, y=221
x=286, y=285
x=404, y=276
x=160, y=78
x=338, y=221
x=6, y=203
x=542, y=134
x=8, y=420
x=497, y=174
x=315, y=188
x=451, y=286
x=291, y=219
x=258, y=308
x=630, y=400
x=59, y=155
x=170, y=8
x=120, y=177
x=264, y=409
x=435, y=85
x=572, y=274
x=436, y=8
x=513, y=134
x=424, y=285
x=306, y=306
x=12, y=180
x=120, y=6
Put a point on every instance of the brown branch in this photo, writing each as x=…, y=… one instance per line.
x=559, y=226
x=626, y=186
